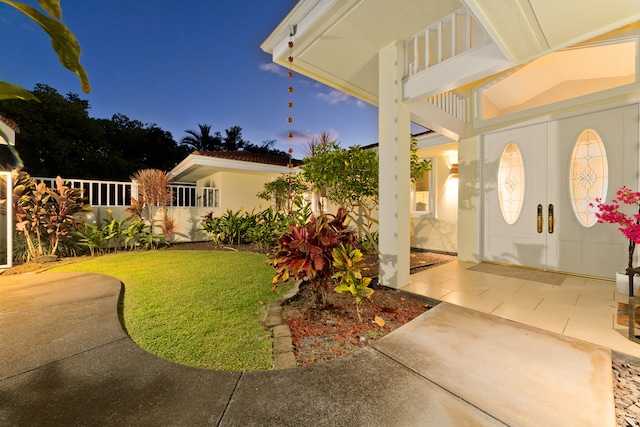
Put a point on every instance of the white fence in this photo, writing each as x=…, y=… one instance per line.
x=119, y=193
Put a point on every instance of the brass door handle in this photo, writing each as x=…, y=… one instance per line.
x=550, y=220
x=539, y=219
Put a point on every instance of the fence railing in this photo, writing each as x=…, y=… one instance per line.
x=451, y=36
x=119, y=193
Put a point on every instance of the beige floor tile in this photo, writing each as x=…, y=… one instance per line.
x=483, y=304
x=513, y=298
x=605, y=293
x=594, y=315
x=548, y=321
x=431, y=291
x=573, y=281
x=464, y=286
x=581, y=307
x=544, y=290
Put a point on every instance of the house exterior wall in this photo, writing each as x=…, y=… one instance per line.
x=439, y=230
x=187, y=221
x=469, y=202
x=238, y=190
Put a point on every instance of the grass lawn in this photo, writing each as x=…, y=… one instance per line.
x=198, y=308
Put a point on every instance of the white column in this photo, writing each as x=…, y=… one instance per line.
x=394, y=150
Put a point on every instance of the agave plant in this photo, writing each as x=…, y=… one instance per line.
x=305, y=252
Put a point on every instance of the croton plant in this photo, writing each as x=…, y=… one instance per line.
x=305, y=252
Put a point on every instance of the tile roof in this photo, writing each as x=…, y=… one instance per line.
x=247, y=156
x=13, y=125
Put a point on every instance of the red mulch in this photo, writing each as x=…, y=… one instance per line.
x=321, y=334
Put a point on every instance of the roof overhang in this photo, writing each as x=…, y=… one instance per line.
x=195, y=167
x=336, y=42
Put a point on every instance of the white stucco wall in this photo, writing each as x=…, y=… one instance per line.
x=439, y=231
x=469, y=200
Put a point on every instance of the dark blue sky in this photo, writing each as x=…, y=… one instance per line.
x=181, y=63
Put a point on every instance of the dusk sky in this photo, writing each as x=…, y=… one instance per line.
x=182, y=63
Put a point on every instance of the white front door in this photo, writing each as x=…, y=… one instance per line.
x=547, y=231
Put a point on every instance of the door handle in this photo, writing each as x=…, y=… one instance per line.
x=539, y=219
x=550, y=220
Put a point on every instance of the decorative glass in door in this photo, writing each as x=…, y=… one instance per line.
x=511, y=183
x=588, y=176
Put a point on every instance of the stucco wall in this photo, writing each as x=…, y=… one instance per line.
x=439, y=231
x=187, y=220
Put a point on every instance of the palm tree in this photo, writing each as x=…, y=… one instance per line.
x=202, y=140
x=233, y=140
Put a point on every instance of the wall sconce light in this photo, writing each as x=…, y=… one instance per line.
x=454, y=170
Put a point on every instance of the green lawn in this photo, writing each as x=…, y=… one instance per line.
x=198, y=308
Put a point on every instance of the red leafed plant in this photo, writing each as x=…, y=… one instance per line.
x=305, y=251
x=629, y=225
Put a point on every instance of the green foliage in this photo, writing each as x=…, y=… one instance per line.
x=418, y=166
x=229, y=229
x=153, y=191
x=103, y=237
x=262, y=229
x=63, y=41
x=348, y=178
x=43, y=215
x=269, y=225
x=369, y=244
x=346, y=260
x=57, y=137
x=284, y=190
x=305, y=252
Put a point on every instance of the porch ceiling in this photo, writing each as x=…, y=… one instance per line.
x=337, y=41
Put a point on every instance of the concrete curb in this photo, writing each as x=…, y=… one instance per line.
x=280, y=332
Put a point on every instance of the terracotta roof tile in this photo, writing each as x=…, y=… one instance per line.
x=13, y=125
x=247, y=156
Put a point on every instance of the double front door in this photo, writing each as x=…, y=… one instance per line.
x=539, y=182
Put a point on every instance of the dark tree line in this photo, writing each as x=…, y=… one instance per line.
x=57, y=137
x=203, y=140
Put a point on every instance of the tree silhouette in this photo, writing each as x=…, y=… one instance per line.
x=202, y=140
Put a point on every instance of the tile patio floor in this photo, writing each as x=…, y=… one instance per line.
x=581, y=308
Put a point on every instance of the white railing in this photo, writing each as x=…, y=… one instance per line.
x=451, y=36
x=451, y=103
x=119, y=193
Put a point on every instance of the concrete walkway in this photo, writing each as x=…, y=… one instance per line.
x=65, y=360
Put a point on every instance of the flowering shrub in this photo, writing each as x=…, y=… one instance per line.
x=629, y=225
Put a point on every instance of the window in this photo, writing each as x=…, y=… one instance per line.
x=422, y=194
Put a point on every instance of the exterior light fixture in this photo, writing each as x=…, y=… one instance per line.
x=454, y=170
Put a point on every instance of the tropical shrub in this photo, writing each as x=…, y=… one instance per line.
x=231, y=228
x=305, y=251
x=153, y=192
x=45, y=216
x=346, y=260
x=283, y=190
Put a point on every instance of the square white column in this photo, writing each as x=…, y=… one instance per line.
x=395, y=186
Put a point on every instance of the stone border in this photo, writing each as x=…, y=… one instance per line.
x=282, y=344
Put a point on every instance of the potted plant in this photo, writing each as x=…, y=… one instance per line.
x=629, y=225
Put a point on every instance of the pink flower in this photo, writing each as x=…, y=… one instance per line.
x=629, y=225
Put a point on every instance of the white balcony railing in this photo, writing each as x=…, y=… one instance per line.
x=451, y=103
x=446, y=39
x=118, y=193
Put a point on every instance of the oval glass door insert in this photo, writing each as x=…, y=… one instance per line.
x=588, y=176
x=511, y=183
